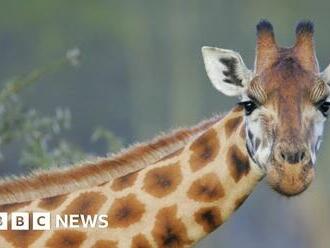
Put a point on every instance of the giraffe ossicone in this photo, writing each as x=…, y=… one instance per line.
x=178, y=188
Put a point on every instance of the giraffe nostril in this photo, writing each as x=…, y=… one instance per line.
x=291, y=155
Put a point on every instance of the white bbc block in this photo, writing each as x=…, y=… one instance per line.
x=3, y=221
x=20, y=221
x=41, y=221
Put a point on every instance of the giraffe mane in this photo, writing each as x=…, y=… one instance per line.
x=57, y=181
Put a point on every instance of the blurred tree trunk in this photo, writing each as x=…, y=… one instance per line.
x=185, y=89
x=146, y=95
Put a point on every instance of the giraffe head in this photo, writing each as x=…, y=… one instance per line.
x=286, y=101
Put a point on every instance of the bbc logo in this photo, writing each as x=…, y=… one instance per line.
x=21, y=221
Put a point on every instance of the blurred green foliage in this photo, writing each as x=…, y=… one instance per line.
x=40, y=136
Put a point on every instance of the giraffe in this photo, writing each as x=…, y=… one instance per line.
x=212, y=180
x=188, y=183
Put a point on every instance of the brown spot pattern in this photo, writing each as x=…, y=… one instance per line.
x=51, y=203
x=140, y=241
x=125, y=211
x=66, y=239
x=124, y=182
x=204, y=150
x=21, y=238
x=209, y=218
x=238, y=163
x=162, y=181
x=208, y=188
x=232, y=125
x=105, y=244
x=240, y=201
x=87, y=203
x=169, y=231
x=12, y=207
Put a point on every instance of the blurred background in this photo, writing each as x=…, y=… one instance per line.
x=140, y=73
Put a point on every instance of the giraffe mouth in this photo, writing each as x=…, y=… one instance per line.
x=290, y=179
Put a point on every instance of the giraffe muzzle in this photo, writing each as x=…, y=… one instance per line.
x=291, y=171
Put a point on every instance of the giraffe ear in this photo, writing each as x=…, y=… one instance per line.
x=325, y=75
x=226, y=70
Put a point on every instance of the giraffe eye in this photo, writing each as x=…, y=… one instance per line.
x=249, y=106
x=324, y=108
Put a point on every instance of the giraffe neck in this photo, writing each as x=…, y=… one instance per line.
x=101, y=170
x=174, y=202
